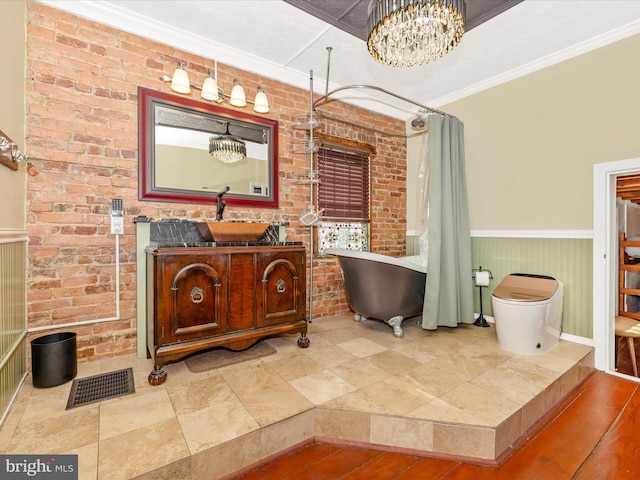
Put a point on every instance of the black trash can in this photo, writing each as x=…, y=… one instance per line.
x=54, y=359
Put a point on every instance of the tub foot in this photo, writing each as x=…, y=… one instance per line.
x=396, y=323
x=359, y=318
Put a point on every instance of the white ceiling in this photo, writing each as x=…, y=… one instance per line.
x=280, y=41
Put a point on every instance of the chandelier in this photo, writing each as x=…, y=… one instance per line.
x=410, y=32
x=227, y=148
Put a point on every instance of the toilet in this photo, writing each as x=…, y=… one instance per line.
x=527, y=310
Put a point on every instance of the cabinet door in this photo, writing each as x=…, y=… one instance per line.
x=197, y=297
x=280, y=289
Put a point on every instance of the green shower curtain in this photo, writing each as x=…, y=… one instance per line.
x=448, y=297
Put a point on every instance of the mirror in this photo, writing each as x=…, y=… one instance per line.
x=174, y=159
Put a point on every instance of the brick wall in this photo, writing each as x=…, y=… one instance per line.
x=81, y=125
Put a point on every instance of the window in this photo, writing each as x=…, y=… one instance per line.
x=343, y=192
x=343, y=195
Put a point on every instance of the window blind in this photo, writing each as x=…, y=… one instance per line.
x=343, y=192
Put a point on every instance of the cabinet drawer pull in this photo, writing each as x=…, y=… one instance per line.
x=280, y=286
x=197, y=295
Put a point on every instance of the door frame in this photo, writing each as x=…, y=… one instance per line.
x=605, y=251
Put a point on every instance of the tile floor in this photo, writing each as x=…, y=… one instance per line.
x=451, y=391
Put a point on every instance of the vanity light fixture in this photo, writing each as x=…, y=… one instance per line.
x=261, y=103
x=227, y=148
x=180, y=80
x=238, y=98
x=211, y=91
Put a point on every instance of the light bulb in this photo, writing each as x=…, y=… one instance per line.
x=210, y=89
x=238, y=98
x=180, y=81
x=261, y=103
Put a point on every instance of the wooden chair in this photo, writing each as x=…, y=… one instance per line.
x=628, y=328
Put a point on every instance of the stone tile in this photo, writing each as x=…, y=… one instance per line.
x=274, y=404
x=534, y=410
x=362, y=347
x=88, y=369
x=226, y=458
x=216, y=424
x=134, y=412
x=145, y=450
x=464, y=440
x=549, y=360
x=360, y=373
x=510, y=430
x=46, y=403
x=57, y=434
x=287, y=433
x=87, y=461
x=379, y=389
x=248, y=378
x=359, y=401
x=321, y=387
x=295, y=366
x=350, y=426
x=467, y=404
x=465, y=367
x=402, y=432
x=415, y=351
x=536, y=374
x=442, y=411
x=510, y=384
x=330, y=355
x=324, y=324
x=336, y=336
x=397, y=395
x=180, y=470
x=572, y=350
x=393, y=362
x=434, y=381
x=187, y=397
x=285, y=347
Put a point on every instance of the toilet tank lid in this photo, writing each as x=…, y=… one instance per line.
x=524, y=287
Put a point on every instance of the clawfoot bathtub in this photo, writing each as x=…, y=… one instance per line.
x=381, y=287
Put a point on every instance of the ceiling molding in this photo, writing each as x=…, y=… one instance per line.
x=548, y=61
x=119, y=17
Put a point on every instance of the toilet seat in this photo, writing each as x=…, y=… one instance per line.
x=522, y=287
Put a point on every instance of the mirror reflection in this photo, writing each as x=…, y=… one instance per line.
x=194, y=150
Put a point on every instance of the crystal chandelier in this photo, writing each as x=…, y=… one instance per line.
x=410, y=32
x=227, y=148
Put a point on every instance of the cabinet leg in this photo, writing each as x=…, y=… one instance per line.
x=157, y=375
x=303, y=341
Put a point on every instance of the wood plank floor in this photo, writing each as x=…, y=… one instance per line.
x=594, y=435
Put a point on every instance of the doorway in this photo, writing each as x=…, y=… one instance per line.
x=605, y=265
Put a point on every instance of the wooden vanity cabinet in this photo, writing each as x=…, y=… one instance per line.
x=204, y=297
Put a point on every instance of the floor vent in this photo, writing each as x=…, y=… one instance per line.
x=101, y=387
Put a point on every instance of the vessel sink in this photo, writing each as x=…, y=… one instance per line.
x=231, y=231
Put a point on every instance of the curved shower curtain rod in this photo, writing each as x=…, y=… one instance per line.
x=327, y=95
